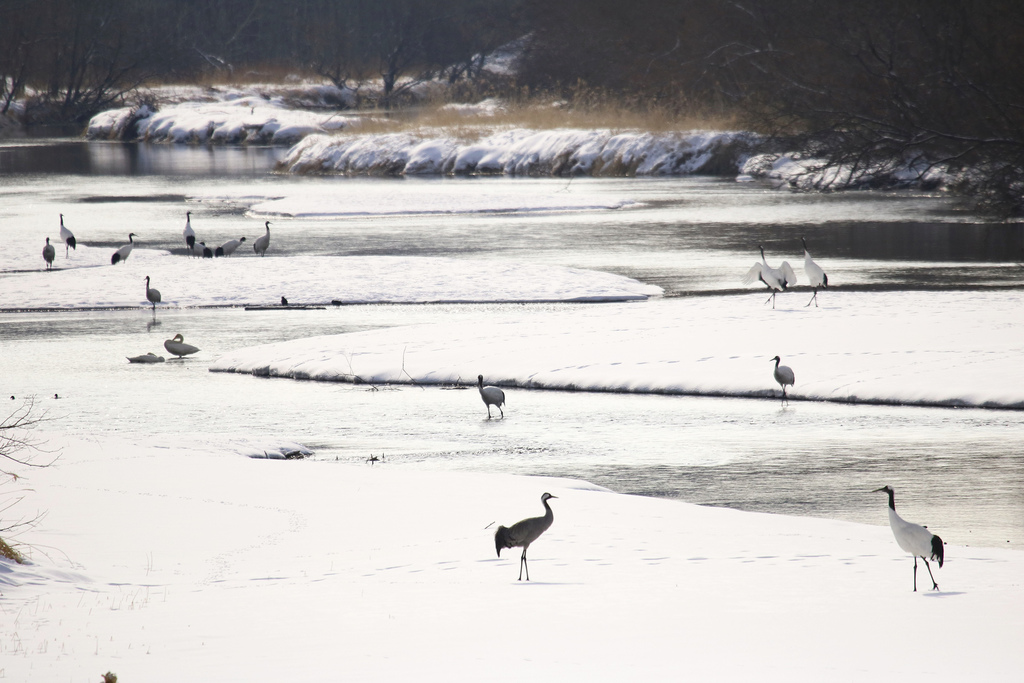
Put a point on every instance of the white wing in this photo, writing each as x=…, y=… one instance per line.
x=752, y=274
x=788, y=276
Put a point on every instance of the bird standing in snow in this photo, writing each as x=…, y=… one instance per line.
x=48, y=253
x=68, y=237
x=783, y=375
x=153, y=295
x=815, y=275
x=775, y=279
x=492, y=396
x=914, y=538
x=523, y=533
x=262, y=242
x=228, y=248
x=124, y=252
x=178, y=347
x=207, y=252
x=190, y=234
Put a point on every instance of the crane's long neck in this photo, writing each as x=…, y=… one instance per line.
x=549, y=514
x=763, y=260
x=777, y=360
x=892, y=500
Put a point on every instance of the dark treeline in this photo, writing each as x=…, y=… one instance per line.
x=859, y=83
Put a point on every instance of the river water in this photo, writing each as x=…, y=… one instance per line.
x=961, y=469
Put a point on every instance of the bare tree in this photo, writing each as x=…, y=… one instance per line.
x=18, y=451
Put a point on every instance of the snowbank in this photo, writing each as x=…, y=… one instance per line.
x=801, y=172
x=911, y=348
x=203, y=564
x=239, y=120
x=240, y=280
x=562, y=152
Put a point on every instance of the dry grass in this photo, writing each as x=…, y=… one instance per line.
x=9, y=553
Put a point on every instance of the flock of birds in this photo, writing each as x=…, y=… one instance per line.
x=912, y=538
x=196, y=249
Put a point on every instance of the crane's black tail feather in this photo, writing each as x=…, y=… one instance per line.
x=938, y=552
x=501, y=539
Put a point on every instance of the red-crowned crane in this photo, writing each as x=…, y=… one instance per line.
x=68, y=237
x=228, y=248
x=523, y=533
x=783, y=375
x=124, y=252
x=492, y=396
x=262, y=242
x=775, y=279
x=190, y=234
x=815, y=275
x=914, y=538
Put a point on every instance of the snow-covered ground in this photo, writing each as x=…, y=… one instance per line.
x=209, y=566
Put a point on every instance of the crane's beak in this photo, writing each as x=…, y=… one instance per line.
x=877, y=490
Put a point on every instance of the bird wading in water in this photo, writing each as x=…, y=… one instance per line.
x=492, y=396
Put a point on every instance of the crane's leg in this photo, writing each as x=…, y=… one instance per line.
x=502, y=412
x=935, y=586
x=522, y=563
x=488, y=411
x=772, y=296
x=813, y=298
x=915, y=573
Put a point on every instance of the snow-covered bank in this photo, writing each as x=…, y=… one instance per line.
x=803, y=172
x=238, y=281
x=564, y=152
x=242, y=120
x=209, y=565
x=913, y=348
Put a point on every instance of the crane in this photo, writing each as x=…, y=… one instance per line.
x=815, y=275
x=153, y=295
x=262, y=242
x=207, y=252
x=48, y=253
x=783, y=375
x=914, y=538
x=775, y=279
x=124, y=252
x=523, y=533
x=68, y=237
x=492, y=396
x=228, y=248
x=190, y=234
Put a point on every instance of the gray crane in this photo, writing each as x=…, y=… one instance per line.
x=914, y=538
x=48, y=254
x=492, y=396
x=152, y=295
x=523, y=533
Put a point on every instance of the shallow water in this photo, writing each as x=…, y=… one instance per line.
x=961, y=471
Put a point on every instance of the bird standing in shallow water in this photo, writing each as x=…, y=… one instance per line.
x=783, y=375
x=262, y=242
x=190, y=234
x=815, y=275
x=178, y=347
x=68, y=237
x=914, y=538
x=492, y=396
x=523, y=533
x=152, y=295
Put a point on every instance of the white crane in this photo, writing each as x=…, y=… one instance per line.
x=153, y=295
x=124, y=252
x=783, y=375
x=815, y=275
x=228, y=248
x=492, y=396
x=190, y=234
x=68, y=237
x=178, y=347
x=207, y=252
x=523, y=533
x=262, y=242
x=914, y=538
x=775, y=279
x=48, y=253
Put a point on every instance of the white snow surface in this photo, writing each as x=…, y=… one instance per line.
x=243, y=119
x=801, y=172
x=245, y=279
x=200, y=564
x=520, y=152
x=915, y=348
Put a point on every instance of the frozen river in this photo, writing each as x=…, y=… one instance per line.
x=963, y=468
